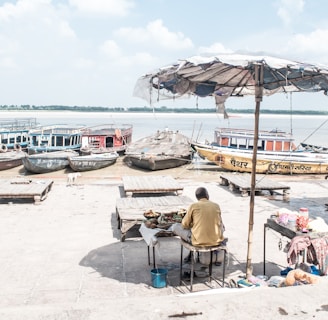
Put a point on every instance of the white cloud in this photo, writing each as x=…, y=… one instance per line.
x=289, y=9
x=8, y=63
x=22, y=8
x=110, y=48
x=156, y=33
x=215, y=48
x=111, y=7
x=82, y=63
x=315, y=44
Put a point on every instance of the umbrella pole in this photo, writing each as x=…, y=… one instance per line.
x=258, y=99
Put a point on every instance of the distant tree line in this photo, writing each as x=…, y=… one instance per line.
x=145, y=109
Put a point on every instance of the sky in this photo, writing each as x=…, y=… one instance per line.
x=91, y=52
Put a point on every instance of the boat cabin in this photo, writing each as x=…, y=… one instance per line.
x=106, y=138
x=243, y=139
x=14, y=133
x=55, y=138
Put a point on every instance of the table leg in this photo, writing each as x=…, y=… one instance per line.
x=264, y=247
x=154, y=259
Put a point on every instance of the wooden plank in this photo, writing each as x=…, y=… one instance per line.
x=34, y=189
x=150, y=184
x=243, y=183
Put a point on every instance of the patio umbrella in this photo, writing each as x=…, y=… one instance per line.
x=224, y=76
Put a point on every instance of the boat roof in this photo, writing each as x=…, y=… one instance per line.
x=108, y=129
x=57, y=129
x=247, y=133
x=21, y=124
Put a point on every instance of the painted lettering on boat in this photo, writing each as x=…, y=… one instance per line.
x=274, y=166
x=239, y=164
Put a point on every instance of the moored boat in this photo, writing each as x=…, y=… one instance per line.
x=92, y=161
x=14, y=133
x=106, y=138
x=11, y=159
x=163, y=150
x=228, y=139
x=48, y=161
x=55, y=138
x=302, y=163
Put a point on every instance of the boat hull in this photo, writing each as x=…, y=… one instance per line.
x=284, y=165
x=156, y=163
x=11, y=159
x=47, y=162
x=92, y=162
x=163, y=150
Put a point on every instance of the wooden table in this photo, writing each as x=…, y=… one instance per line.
x=242, y=182
x=150, y=184
x=22, y=188
x=130, y=211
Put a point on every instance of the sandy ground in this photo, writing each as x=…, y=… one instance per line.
x=63, y=258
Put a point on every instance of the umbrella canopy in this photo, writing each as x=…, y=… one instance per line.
x=228, y=75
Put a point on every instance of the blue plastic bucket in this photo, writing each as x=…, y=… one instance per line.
x=158, y=278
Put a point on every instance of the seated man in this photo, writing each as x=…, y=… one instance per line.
x=202, y=225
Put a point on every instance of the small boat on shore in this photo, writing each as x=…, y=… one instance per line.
x=48, y=161
x=55, y=138
x=106, y=138
x=163, y=150
x=296, y=163
x=11, y=159
x=92, y=161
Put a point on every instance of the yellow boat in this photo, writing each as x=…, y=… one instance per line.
x=298, y=163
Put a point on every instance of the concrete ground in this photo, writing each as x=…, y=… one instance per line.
x=63, y=259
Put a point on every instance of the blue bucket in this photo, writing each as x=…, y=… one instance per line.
x=158, y=278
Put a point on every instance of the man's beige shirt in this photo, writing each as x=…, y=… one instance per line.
x=204, y=220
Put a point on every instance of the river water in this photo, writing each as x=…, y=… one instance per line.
x=309, y=129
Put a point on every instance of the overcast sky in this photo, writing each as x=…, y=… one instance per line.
x=91, y=52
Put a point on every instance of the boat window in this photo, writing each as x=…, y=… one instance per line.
x=67, y=141
x=59, y=141
x=278, y=146
x=242, y=143
x=233, y=142
x=224, y=141
x=109, y=142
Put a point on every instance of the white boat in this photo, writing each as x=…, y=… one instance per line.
x=230, y=139
x=55, y=138
x=14, y=133
x=92, y=161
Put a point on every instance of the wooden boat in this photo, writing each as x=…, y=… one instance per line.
x=106, y=138
x=48, y=161
x=11, y=159
x=298, y=163
x=14, y=133
x=55, y=138
x=243, y=140
x=163, y=150
x=92, y=161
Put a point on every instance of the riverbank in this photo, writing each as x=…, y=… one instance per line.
x=63, y=259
